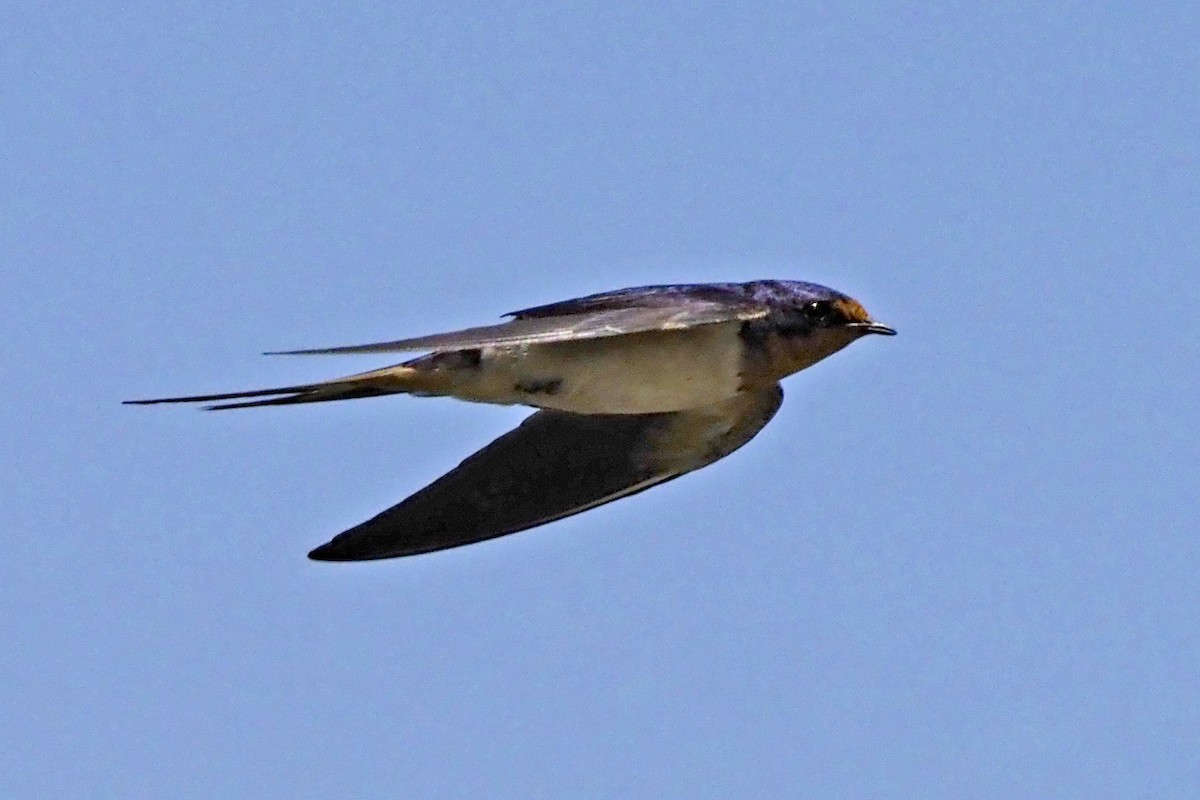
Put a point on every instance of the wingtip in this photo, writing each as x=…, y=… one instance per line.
x=320, y=351
x=320, y=554
x=338, y=549
x=154, y=402
x=328, y=552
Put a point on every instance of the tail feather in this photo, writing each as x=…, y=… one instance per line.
x=320, y=394
x=205, y=398
x=390, y=380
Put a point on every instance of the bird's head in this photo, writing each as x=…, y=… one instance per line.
x=827, y=309
x=809, y=322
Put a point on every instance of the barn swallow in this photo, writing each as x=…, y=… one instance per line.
x=633, y=388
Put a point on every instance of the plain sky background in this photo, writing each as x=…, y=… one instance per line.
x=962, y=562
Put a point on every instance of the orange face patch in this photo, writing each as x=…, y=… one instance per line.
x=852, y=309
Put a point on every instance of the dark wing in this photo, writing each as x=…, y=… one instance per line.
x=551, y=466
x=653, y=308
x=667, y=295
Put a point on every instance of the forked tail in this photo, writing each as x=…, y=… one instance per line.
x=399, y=379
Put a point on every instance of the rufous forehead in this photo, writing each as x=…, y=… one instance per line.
x=852, y=309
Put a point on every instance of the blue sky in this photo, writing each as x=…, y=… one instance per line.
x=960, y=563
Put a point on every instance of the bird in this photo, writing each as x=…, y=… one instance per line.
x=633, y=388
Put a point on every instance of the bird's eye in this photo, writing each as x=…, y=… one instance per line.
x=819, y=310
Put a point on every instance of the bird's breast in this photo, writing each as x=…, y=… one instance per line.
x=770, y=356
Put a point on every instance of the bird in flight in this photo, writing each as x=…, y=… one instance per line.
x=633, y=388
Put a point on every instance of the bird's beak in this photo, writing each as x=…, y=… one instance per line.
x=876, y=327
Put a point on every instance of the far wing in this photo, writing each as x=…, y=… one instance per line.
x=565, y=327
x=551, y=466
x=664, y=295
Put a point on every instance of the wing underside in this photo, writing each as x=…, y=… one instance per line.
x=552, y=466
